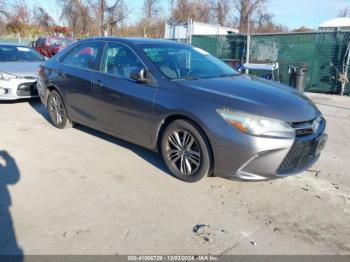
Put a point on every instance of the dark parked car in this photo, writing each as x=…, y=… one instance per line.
x=200, y=114
x=51, y=45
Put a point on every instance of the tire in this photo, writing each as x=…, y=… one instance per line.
x=186, y=151
x=57, y=111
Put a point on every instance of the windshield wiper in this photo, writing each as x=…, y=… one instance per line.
x=228, y=75
x=187, y=78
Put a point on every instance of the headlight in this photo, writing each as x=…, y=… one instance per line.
x=255, y=125
x=6, y=76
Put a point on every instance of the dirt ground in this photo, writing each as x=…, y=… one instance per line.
x=78, y=191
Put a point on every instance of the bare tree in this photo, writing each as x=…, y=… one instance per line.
x=344, y=12
x=116, y=14
x=222, y=9
x=3, y=9
x=263, y=22
x=101, y=16
x=246, y=10
x=150, y=9
x=19, y=18
x=3, y=16
x=111, y=15
x=302, y=29
x=181, y=10
x=42, y=19
x=76, y=13
x=198, y=10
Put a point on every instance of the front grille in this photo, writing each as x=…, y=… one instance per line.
x=27, y=89
x=299, y=157
x=303, y=128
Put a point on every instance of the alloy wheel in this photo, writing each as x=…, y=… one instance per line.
x=183, y=152
x=56, y=109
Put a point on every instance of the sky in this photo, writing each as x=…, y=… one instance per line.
x=290, y=13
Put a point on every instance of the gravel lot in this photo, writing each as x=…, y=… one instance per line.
x=78, y=191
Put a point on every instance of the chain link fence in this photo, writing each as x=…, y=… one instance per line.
x=322, y=52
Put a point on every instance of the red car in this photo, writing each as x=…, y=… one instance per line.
x=51, y=45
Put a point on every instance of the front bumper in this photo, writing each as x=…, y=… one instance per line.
x=19, y=88
x=241, y=156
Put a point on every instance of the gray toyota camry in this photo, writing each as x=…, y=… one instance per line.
x=202, y=116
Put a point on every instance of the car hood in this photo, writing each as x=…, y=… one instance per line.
x=255, y=96
x=21, y=69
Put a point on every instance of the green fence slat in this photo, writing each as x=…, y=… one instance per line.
x=322, y=52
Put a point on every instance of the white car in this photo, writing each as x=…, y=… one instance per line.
x=18, y=71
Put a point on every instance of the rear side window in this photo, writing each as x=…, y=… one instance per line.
x=85, y=55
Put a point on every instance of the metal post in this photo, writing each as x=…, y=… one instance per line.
x=190, y=30
x=248, y=46
x=344, y=78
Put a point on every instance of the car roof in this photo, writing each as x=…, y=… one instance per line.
x=55, y=37
x=14, y=45
x=137, y=40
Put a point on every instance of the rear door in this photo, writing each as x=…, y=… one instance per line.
x=124, y=106
x=75, y=75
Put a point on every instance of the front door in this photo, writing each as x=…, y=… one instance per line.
x=124, y=105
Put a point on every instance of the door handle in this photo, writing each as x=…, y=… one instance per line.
x=61, y=73
x=98, y=83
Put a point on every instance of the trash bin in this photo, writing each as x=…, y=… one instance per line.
x=297, y=76
x=300, y=78
x=292, y=72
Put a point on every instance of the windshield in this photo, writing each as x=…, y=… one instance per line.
x=186, y=62
x=19, y=53
x=60, y=41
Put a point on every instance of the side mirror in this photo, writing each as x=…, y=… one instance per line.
x=139, y=75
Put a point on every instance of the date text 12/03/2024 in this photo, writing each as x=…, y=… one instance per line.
x=174, y=258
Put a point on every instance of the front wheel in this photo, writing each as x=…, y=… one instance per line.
x=57, y=110
x=185, y=151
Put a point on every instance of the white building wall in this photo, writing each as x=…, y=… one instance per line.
x=183, y=31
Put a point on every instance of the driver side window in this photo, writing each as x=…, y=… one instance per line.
x=119, y=60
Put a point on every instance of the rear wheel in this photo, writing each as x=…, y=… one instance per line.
x=185, y=151
x=57, y=110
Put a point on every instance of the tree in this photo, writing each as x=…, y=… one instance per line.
x=222, y=9
x=246, y=10
x=101, y=16
x=150, y=9
x=197, y=10
x=344, y=12
x=262, y=22
x=3, y=9
x=19, y=18
x=302, y=29
x=110, y=16
x=3, y=16
x=42, y=19
x=76, y=13
x=116, y=14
